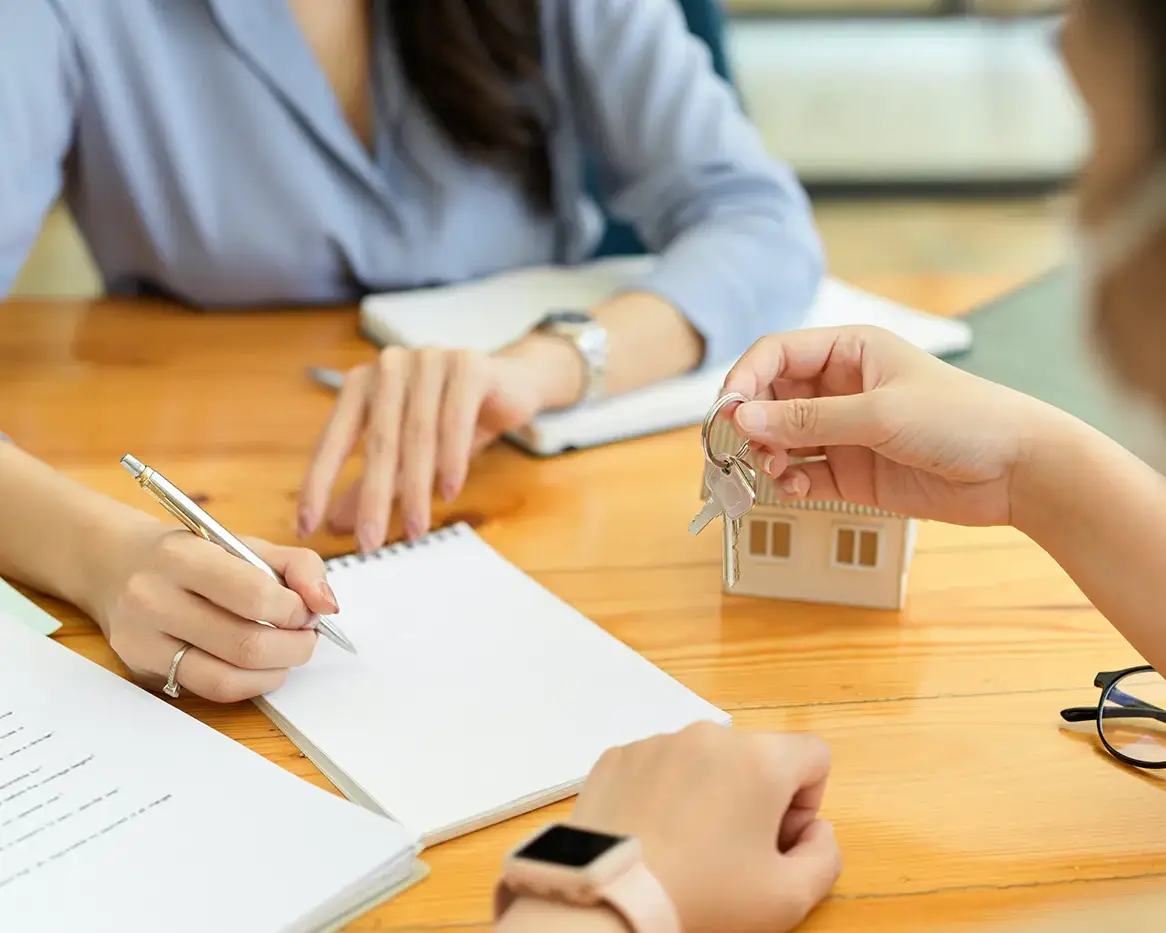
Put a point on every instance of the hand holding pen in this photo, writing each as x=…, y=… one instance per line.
x=183, y=616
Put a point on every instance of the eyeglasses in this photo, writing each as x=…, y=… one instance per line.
x=1130, y=716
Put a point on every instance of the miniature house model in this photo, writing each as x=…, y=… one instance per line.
x=822, y=552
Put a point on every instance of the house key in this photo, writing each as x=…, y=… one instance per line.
x=731, y=484
x=713, y=476
x=742, y=498
x=732, y=495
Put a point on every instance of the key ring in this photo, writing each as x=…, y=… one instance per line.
x=708, y=424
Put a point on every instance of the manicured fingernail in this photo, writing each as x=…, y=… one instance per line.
x=767, y=465
x=449, y=489
x=369, y=537
x=751, y=417
x=794, y=484
x=328, y=596
x=413, y=529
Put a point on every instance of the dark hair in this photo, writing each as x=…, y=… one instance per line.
x=476, y=65
x=1151, y=15
x=1128, y=322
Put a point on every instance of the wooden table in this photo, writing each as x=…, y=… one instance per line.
x=957, y=798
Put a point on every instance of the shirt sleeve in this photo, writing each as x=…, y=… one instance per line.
x=739, y=253
x=38, y=94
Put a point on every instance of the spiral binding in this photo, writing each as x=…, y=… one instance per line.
x=392, y=550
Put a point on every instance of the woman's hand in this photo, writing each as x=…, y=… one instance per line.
x=424, y=414
x=728, y=823
x=898, y=428
x=168, y=586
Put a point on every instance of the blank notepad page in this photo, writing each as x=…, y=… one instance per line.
x=476, y=694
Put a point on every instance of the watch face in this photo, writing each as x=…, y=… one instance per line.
x=569, y=847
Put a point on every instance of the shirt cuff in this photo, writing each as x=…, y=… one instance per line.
x=732, y=291
x=723, y=308
x=700, y=301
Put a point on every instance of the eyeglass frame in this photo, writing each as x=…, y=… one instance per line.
x=1106, y=681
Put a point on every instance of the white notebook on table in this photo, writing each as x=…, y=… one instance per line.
x=121, y=814
x=490, y=313
x=476, y=695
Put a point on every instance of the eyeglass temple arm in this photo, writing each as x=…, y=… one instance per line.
x=1089, y=713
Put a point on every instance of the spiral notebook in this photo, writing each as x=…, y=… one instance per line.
x=490, y=313
x=476, y=695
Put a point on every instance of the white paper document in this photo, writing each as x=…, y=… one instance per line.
x=121, y=813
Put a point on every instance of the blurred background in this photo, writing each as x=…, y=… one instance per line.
x=935, y=136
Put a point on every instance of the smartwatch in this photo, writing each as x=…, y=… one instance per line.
x=580, y=868
x=589, y=338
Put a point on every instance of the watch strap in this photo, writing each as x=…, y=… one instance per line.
x=589, y=338
x=636, y=895
x=591, y=342
x=641, y=900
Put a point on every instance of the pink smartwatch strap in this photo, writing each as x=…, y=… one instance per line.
x=643, y=902
x=637, y=896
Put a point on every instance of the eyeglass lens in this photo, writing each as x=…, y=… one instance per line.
x=1133, y=719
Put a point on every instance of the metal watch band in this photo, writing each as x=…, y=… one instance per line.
x=589, y=339
x=591, y=342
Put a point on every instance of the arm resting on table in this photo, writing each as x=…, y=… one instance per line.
x=647, y=341
x=56, y=535
x=1101, y=513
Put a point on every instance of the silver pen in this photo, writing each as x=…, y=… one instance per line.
x=187, y=511
x=328, y=378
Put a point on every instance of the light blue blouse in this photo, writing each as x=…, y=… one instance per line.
x=203, y=153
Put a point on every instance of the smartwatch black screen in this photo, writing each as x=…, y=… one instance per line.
x=569, y=847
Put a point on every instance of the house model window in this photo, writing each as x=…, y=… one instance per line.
x=838, y=553
x=856, y=547
x=771, y=539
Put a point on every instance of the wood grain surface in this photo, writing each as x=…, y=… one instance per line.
x=961, y=802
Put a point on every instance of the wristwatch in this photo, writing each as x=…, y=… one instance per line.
x=589, y=338
x=580, y=868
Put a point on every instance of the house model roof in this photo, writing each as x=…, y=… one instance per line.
x=724, y=440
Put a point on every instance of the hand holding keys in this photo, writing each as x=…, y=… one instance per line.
x=732, y=492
